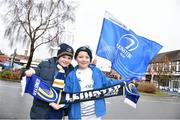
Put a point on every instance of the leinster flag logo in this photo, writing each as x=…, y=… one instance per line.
x=127, y=43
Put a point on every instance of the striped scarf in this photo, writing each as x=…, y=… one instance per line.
x=59, y=78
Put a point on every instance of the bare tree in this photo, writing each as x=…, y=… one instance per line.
x=37, y=22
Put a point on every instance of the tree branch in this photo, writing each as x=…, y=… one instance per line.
x=48, y=39
x=29, y=21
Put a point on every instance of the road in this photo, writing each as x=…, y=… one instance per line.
x=147, y=108
x=13, y=106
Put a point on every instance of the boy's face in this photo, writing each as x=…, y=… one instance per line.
x=65, y=60
x=83, y=59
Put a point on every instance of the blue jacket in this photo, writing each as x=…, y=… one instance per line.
x=100, y=81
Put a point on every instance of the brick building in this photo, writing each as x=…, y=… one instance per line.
x=165, y=69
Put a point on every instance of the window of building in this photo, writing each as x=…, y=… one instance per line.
x=178, y=66
x=173, y=67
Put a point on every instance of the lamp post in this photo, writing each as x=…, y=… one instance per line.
x=13, y=58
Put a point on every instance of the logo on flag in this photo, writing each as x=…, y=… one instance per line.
x=129, y=53
x=127, y=43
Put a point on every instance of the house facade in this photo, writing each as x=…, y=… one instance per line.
x=164, y=70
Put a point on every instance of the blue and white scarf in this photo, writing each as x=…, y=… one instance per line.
x=59, y=78
x=39, y=89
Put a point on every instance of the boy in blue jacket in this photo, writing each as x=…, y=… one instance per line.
x=86, y=76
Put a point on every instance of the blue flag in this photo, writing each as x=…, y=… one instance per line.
x=129, y=53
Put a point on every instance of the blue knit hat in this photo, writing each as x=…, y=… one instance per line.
x=65, y=49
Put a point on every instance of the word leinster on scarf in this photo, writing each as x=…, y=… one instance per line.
x=36, y=87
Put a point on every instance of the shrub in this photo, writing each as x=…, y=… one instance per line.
x=10, y=74
x=146, y=87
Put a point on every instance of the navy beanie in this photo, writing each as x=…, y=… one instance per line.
x=85, y=49
x=65, y=49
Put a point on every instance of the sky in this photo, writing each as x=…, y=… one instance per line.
x=157, y=20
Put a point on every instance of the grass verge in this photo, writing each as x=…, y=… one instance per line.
x=158, y=94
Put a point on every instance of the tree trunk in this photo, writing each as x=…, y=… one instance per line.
x=30, y=56
x=29, y=60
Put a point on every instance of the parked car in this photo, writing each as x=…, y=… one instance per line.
x=1, y=65
x=164, y=88
x=6, y=65
x=178, y=90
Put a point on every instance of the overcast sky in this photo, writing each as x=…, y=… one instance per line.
x=158, y=20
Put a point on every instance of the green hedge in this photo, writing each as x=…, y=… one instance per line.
x=10, y=74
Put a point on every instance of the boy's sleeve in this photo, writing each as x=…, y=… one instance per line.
x=107, y=81
x=67, y=86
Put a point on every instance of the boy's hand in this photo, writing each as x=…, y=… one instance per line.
x=56, y=106
x=29, y=72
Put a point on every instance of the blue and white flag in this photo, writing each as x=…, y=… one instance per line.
x=129, y=53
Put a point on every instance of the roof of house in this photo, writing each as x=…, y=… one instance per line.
x=20, y=57
x=171, y=56
x=3, y=58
